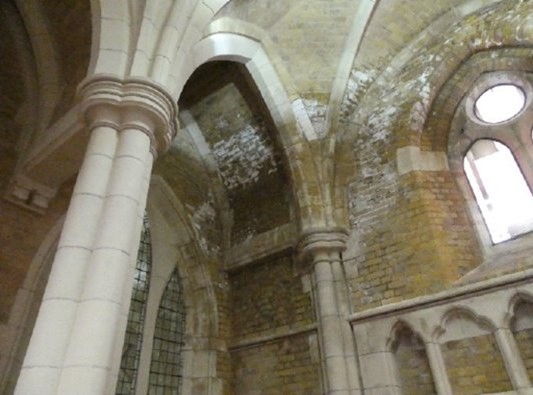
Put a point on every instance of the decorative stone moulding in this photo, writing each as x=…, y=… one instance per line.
x=133, y=102
x=467, y=127
x=322, y=241
x=29, y=194
x=137, y=103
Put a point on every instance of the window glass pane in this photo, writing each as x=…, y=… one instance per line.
x=131, y=350
x=500, y=103
x=165, y=369
x=500, y=190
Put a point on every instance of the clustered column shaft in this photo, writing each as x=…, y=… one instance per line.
x=73, y=346
x=336, y=339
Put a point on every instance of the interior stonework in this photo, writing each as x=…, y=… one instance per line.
x=301, y=168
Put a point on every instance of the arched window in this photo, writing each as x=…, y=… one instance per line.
x=500, y=189
x=164, y=375
x=131, y=350
x=492, y=144
x=166, y=366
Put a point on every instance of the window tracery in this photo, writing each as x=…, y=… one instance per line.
x=495, y=150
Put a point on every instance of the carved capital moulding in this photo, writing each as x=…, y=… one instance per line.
x=322, y=241
x=132, y=102
x=56, y=154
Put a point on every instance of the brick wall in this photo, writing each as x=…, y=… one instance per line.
x=412, y=364
x=475, y=366
x=411, y=233
x=192, y=184
x=241, y=139
x=268, y=296
x=287, y=366
x=269, y=299
x=522, y=328
x=415, y=238
x=524, y=340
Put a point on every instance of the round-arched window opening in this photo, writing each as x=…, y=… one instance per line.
x=501, y=192
x=500, y=103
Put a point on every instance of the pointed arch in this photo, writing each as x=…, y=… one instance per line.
x=395, y=332
x=293, y=136
x=412, y=363
x=475, y=324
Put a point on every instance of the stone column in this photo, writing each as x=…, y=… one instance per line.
x=512, y=359
x=336, y=339
x=126, y=297
x=438, y=369
x=72, y=346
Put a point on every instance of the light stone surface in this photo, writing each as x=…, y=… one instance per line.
x=314, y=201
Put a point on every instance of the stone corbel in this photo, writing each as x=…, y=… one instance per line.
x=29, y=194
x=53, y=158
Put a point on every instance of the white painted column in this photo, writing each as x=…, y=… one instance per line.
x=438, y=369
x=512, y=359
x=90, y=354
x=323, y=249
x=51, y=333
x=73, y=347
x=126, y=297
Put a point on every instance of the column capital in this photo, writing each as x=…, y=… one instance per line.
x=130, y=102
x=322, y=241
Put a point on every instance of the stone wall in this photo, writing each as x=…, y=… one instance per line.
x=268, y=296
x=21, y=232
x=524, y=340
x=474, y=366
x=522, y=328
x=411, y=231
x=412, y=364
x=191, y=182
x=275, y=346
x=415, y=237
x=285, y=366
